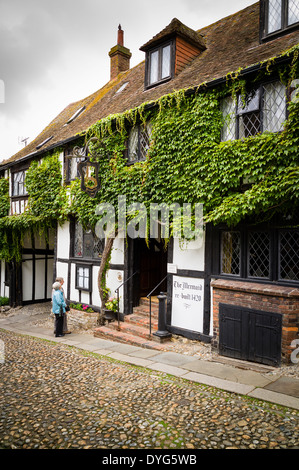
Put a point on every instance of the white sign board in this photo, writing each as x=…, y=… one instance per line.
x=187, y=303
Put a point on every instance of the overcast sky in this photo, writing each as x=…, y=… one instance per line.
x=55, y=52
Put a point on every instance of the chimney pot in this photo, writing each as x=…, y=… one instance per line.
x=120, y=36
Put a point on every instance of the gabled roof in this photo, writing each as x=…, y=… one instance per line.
x=179, y=29
x=231, y=43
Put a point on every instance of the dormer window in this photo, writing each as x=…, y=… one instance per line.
x=159, y=64
x=278, y=17
x=170, y=51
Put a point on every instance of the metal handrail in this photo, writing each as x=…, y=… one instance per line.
x=117, y=290
x=150, y=301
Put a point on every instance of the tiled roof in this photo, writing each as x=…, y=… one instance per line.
x=176, y=27
x=231, y=43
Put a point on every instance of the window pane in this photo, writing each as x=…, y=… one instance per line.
x=228, y=108
x=98, y=248
x=230, y=253
x=86, y=278
x=249, y=125
x=88, y=244
x=78, y=245
x=293, y=12
x=259, y=255
x=289, y=256
x=145, y=136
x=165, y=62
x=274, y=107
x=133, y=145
x=274, y=16
x=19, y=184
x=252, y=102
x=154, y=64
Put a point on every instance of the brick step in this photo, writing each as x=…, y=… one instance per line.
x=131, y=329
x=141, y=320
x=126, y=338
x=145, y=312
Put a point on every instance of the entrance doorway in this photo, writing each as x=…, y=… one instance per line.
x=148, y=263
x=153, y=267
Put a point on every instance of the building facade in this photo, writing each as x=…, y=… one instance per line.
x=226, y=139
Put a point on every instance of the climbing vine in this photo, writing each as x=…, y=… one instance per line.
x=186, y=163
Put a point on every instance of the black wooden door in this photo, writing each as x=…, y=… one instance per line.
x=250, y=335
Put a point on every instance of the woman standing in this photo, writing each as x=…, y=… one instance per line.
x=65, y=328
x=58, y=308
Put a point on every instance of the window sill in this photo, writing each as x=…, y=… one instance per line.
x=279, y=33
x=153, y=85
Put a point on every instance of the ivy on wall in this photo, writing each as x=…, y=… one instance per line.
x=186, y=163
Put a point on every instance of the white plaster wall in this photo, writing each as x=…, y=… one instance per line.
x=96, y=301
x=63, y=241
x=62, y=271
x=118, y=251
x=84, y=297
x=189, y=255
x=27, y=278
x=3, y=288
x=211, y=310
x=50, y=277
x=39, y=278
x=61, y=159
x=113, y=280
x=74, y=293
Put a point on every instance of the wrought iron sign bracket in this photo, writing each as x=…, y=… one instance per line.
x=88, y=170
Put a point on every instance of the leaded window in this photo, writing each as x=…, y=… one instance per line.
x=86, y=244
x=289, y=256
x=139, y=142
x=259, y=255
x=230, y=253
x=279, y=16
x=77, y=155
x=265, y=255
x=18, y=184
x=263, y=109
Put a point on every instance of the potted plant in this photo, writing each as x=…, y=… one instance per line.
x=111, y=308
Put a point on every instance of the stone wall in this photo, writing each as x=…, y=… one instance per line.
x=77, y=319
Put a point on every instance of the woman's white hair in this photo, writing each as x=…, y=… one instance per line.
x=56, y=285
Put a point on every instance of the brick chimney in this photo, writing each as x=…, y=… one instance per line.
x=119, y=56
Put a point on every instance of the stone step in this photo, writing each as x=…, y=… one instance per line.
x=126, y=338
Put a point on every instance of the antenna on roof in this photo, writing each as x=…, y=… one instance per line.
x=23, y=140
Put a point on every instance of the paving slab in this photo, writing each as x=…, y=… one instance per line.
x=168, y=369
x=129, y=359
x=226, y=385
x=174, y=359
x=145, y=353
x=124, y=348
x=285, y=385
x=274, y=397
x=246, y=377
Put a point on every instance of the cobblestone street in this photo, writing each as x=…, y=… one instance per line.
x=54, y=396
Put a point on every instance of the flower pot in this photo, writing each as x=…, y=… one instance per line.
x=109, y=315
